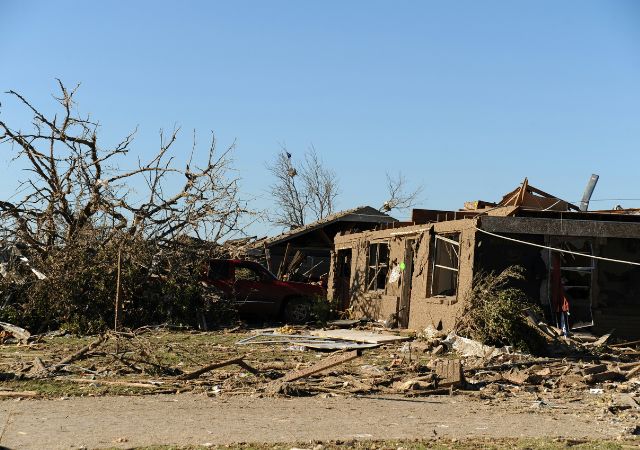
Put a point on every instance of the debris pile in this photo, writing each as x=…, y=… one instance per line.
x=301, y=361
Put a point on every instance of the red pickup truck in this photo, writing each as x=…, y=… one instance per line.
x=257, y=292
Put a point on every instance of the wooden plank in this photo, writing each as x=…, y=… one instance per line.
x=449, y=372
x=360, y=336
x=19, y=394
x=327, y=363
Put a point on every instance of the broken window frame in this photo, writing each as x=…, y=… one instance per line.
x=454, y=248
x=378, y=267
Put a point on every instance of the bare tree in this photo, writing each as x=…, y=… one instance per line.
x=76, y=184
x=83, y=204
x=399, y=195
x=314, y=196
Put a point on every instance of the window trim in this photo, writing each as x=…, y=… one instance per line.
x=434, y=266
x=376, y=267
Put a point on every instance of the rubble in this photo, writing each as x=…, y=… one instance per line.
x=470, y=347
x=415, y=367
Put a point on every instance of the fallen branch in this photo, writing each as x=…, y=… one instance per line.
x=238, y=361
x=77, y=355
x=327, y=363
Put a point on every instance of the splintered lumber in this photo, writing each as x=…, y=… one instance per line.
x=77, y=355
x=602, y=339
x=327, y=363
x=604, y=376
x=237, y=360
x=248, y=368
x=624, y=344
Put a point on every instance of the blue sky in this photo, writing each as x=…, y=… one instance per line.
x=466, y=97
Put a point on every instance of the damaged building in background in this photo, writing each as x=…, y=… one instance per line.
x=303, y=254
x=418, y=275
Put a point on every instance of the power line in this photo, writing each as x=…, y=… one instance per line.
x=601, y=258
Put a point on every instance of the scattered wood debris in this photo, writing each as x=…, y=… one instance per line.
x=209, y=367
x=420, y=365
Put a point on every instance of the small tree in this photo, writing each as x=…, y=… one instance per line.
x=314, y=196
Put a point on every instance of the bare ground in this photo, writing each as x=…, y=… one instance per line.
x=189, y=419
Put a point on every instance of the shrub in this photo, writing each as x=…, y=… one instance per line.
x=496, y=314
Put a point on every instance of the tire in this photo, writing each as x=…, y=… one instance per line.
x=297, y=310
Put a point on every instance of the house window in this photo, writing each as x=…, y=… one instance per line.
x=378, y=266
x=445, y=264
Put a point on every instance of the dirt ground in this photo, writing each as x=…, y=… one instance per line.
x=131, y=392
x=188, y=419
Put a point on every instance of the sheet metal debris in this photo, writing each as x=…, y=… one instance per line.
x=305, y=340
x=360, y=336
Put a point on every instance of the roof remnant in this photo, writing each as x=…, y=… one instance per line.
x=529, y=197
x=359, y=214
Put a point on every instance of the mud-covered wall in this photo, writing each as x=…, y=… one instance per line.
x=375, y=304
x=441, y=311
x=424, y=309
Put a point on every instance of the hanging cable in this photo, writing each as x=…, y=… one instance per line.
x=601, y=258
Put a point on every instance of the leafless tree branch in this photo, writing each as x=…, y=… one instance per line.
x=314, y=196
x=76, y=185
x=399, y=196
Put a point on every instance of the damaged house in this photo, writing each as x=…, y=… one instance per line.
x=303, y=253
x=418, y=275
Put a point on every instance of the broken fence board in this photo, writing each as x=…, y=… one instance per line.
x=327, y=363
x=359, y=336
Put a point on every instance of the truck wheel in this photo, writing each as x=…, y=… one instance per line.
x=297, y=310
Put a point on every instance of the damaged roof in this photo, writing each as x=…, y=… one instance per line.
x=525, y=200
x=366, y=214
